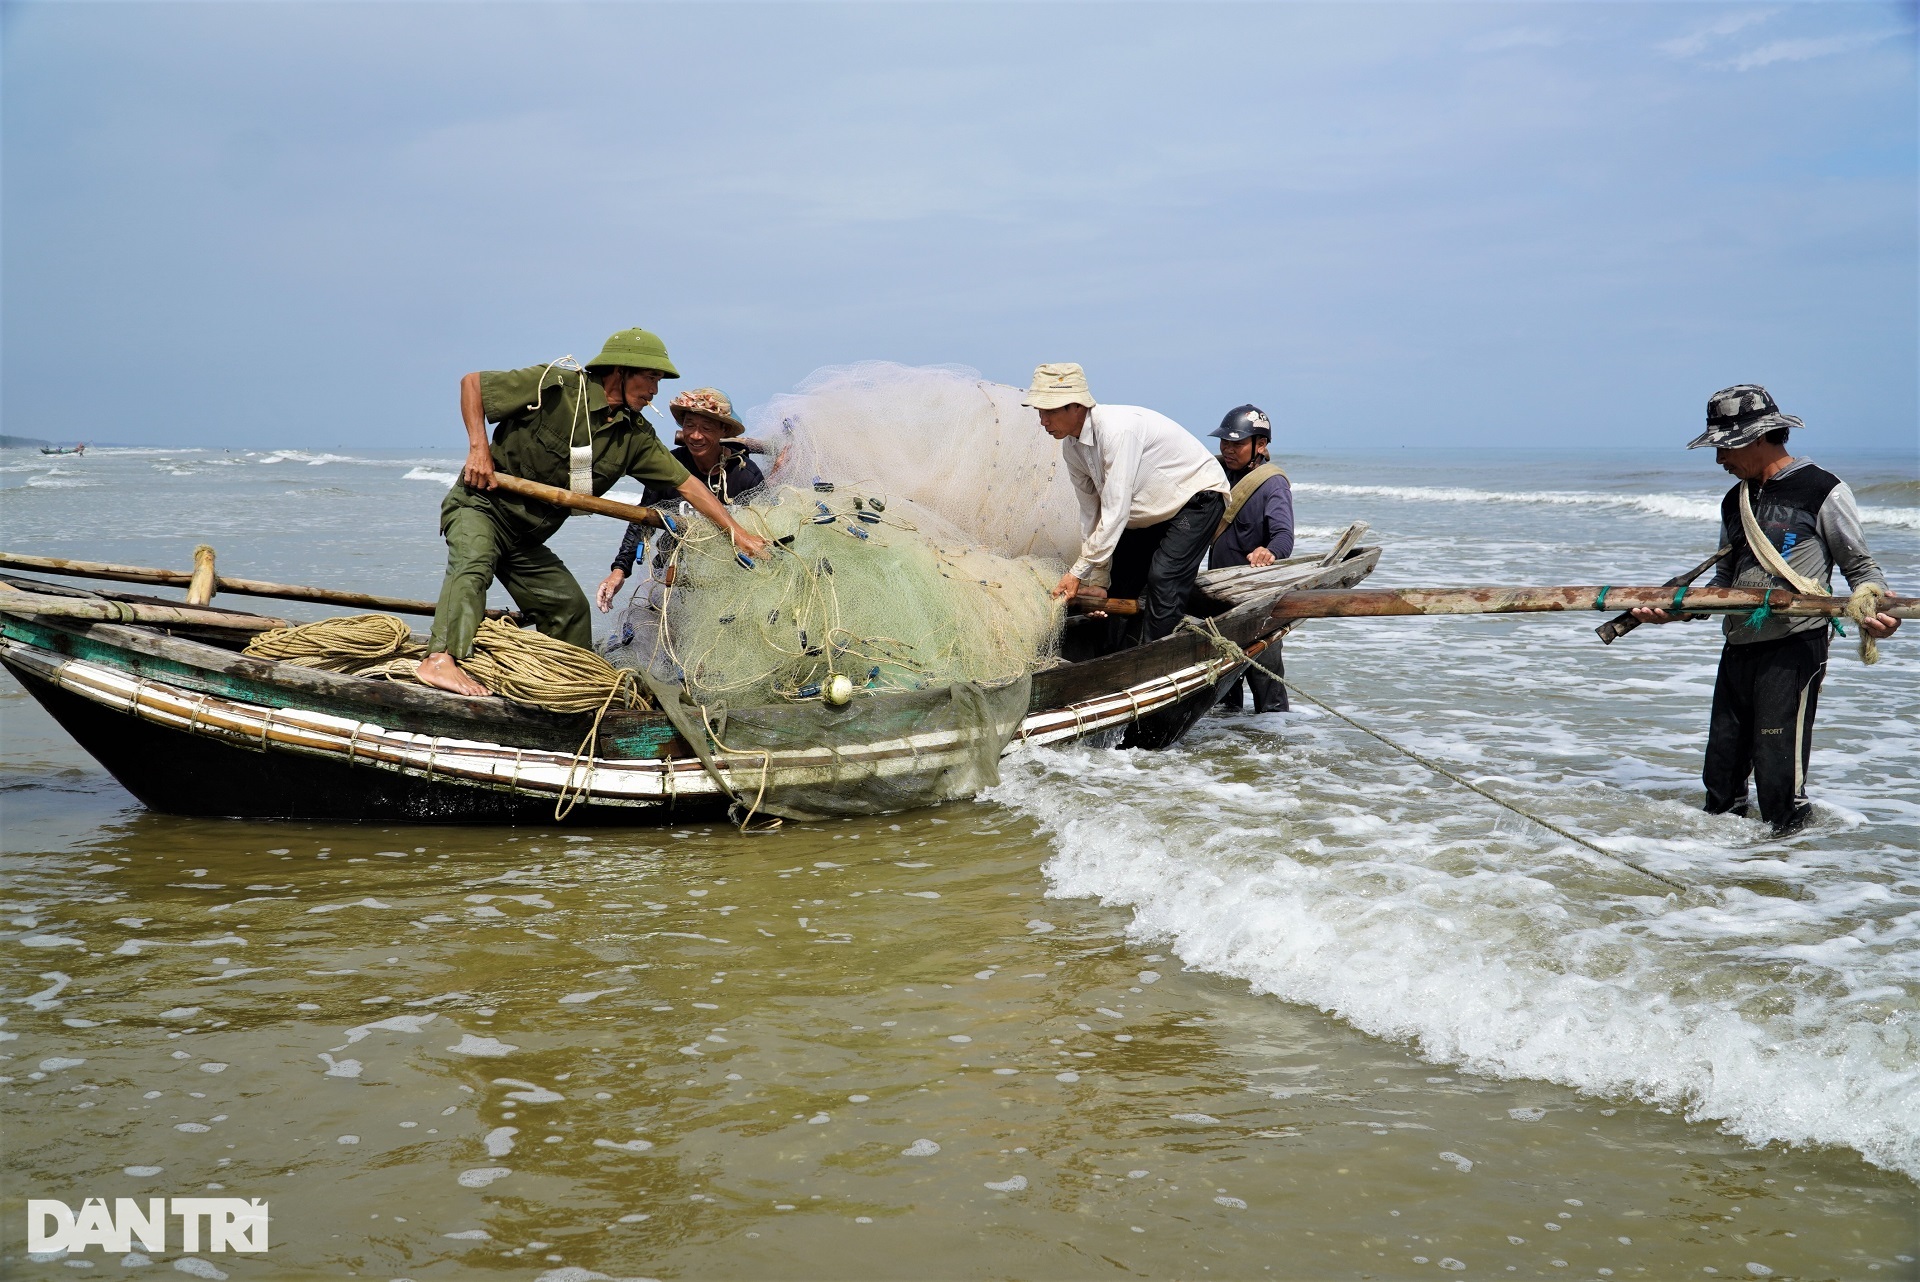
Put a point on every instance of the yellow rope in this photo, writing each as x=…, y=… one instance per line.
x=345, y=644
x=516, y=663
x=1861, y=606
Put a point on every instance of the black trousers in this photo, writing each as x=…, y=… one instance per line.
x=1156, y=564
x=1764, y=700
x=1268, y=694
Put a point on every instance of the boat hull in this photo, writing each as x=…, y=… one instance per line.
x=194, y=728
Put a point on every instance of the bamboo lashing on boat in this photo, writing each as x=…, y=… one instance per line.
x=15, y=601
x=579, y=502
x=1356, y=603
x=238, y=587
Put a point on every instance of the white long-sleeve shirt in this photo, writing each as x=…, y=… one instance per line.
x=1131, y=467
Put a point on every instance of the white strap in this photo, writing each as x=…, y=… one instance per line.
x=1763, y=551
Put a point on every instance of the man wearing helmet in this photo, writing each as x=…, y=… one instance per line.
x=1255, y=529
x=1789, y=523
x=563, y=425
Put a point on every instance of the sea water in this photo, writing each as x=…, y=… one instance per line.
x=1276, y=1003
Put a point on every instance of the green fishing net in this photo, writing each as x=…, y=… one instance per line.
x=883, y=593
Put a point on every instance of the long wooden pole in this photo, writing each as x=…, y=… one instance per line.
x=1364, y=603
x=14, y=601
x=239, y=587
x=578, y=502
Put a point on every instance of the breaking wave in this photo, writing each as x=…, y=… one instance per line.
x=431, y=474
x=1756, y=1011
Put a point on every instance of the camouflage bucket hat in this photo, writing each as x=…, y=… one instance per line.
x=635, y=349
x=708, y=403
x=1740, y=415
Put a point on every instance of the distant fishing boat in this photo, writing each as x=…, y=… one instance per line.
x=63, y=449
x=161, y=695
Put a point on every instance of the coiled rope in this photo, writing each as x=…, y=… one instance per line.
x=516, y=663
x=1208, y=629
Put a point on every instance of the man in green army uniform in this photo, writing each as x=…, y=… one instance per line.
x=561, y=425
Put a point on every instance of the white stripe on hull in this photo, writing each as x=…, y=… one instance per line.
x=545, y=774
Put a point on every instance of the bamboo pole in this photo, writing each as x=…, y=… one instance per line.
x=238, y=587
x=1361, y=603
x=14, y=601
x=579, y=502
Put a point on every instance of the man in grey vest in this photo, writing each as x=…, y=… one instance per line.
x=1255, y=529
x=1789, y=523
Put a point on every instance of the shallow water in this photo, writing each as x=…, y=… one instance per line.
x=1343, y=1019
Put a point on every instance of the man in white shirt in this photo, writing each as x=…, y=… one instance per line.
x=1150, y=498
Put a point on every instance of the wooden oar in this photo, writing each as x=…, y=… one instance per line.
x=578, y=502
x=240, y=587
x=14, y=601
x=1359, y=603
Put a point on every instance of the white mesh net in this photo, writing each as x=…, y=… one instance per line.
x=920, y=517
x=942, y=437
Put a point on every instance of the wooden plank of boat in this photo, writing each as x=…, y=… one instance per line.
x=40, y=605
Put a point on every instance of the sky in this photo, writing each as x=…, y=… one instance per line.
x=1543, y=224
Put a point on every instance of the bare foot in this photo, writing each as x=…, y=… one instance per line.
x=442, y=673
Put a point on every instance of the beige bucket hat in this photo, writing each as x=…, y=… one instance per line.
x=1057, y=385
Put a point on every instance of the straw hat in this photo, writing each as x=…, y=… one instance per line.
x=709, y=403
x=1057, y=385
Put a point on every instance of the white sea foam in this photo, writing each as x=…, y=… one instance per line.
x=435, y=475
x=1494, y=946
x=1684, y=507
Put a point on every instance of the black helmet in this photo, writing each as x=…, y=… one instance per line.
x=1246, y=421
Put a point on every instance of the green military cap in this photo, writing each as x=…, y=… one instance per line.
x=635, y=349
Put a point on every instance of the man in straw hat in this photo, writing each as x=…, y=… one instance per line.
x=1789, y=523
x=711, y=446
x=1150, y=497
x=562, y=425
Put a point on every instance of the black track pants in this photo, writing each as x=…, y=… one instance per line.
x=1156, y=564
x=1763, y=707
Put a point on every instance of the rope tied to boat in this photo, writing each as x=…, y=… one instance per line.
x=1207, y=629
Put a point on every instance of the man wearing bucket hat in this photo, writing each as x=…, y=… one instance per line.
x=564, y=425
x=1788, y=523
x=711, y=448
x=1256, y=529
x=1150, y=497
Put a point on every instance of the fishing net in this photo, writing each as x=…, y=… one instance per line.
x=943, y=438
x=918, y=519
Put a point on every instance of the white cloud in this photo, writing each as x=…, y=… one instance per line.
x=1697, y=41
x=1802, y=49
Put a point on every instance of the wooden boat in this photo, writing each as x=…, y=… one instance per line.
x=190, y=725
x=55, y=449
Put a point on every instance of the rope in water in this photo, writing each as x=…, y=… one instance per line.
x=1212, y=633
